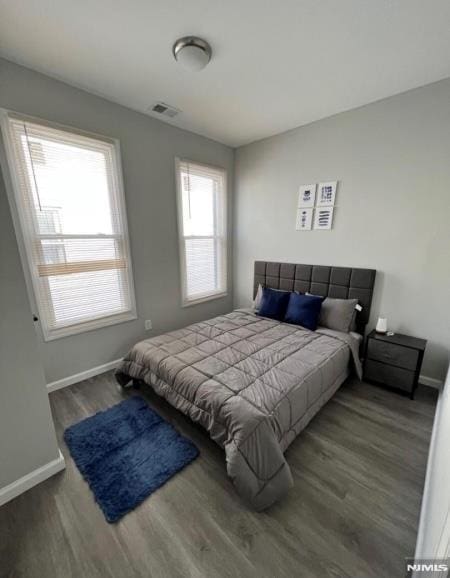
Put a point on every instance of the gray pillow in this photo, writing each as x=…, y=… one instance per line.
x=338, y=314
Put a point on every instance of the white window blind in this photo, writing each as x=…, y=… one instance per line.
x=70, y=203
x=203, y=231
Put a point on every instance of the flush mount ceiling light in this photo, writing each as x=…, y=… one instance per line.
x=192, y=52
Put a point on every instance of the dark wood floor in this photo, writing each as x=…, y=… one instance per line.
x=358, y=469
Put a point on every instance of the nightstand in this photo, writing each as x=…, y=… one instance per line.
x=394, y=360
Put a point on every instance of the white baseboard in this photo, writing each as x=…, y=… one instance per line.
x=54, y=385
x=431, y=382
x=32, y=479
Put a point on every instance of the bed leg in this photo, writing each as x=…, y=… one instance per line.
x=132, y=384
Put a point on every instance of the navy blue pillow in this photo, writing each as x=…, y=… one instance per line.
x=274, y=303
x=304, y=310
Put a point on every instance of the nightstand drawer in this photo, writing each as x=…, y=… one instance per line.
x=389, y=375
x=393, y=354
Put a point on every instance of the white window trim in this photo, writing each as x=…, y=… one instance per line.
x=25, y=242
x=185, y=302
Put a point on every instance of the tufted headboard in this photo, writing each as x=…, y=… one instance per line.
x=339, y=282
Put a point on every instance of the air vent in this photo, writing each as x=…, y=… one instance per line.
x=165, y=109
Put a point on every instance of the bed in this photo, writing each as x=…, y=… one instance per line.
x=254, y=383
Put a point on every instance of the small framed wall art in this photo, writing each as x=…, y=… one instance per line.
x=304, y=219
x=307, y=195
x=323, y=218
x=327, y=194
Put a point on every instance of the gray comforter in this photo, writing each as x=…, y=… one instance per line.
x=252, y=382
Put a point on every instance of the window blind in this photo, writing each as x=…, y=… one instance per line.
x=71, y=210
x=203, y=231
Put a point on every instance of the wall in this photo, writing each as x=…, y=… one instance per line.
x=149, y=148
x=392, y=160
x=433, y=540
x=27, y=436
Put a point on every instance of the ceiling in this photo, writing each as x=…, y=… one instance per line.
x=275, y=65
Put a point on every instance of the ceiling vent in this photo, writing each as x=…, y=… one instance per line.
x=165, y=109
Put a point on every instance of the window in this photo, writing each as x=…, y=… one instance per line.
x=202, y=226
x=69, y=199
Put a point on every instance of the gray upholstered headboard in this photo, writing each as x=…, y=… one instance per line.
x=339, y=282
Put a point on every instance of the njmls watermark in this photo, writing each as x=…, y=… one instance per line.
x=427, y=567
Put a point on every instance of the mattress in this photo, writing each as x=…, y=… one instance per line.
x=252, y=382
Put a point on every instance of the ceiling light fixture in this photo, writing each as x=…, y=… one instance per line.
x=191, y=52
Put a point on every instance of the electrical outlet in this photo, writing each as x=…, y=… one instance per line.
x=148, y=324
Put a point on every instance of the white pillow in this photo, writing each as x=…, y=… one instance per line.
x=259, y=294
x=257, y=301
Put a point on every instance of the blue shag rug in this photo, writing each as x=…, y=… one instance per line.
x=125, y=453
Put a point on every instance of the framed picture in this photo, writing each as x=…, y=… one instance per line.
x=307, y=195
x=304, y=219
x=323, y=218
x=327, y=194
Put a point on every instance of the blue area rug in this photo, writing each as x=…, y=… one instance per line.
x=126, y=453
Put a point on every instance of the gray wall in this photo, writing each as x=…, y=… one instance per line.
x=149, y=148
x=27, y=437
x=392, y=160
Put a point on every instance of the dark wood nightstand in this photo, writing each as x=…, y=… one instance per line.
x=394, y=360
